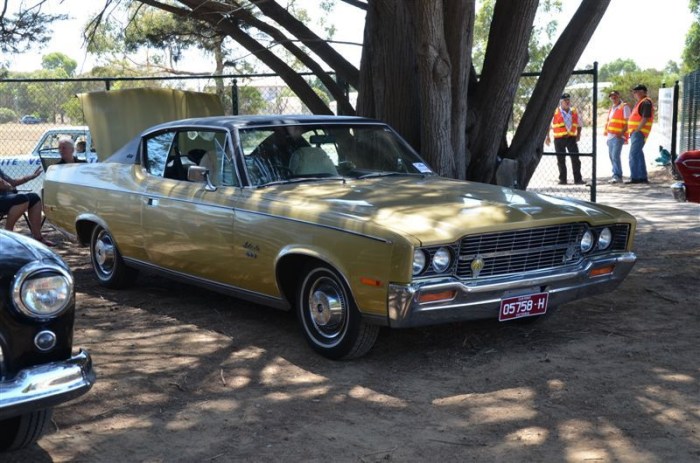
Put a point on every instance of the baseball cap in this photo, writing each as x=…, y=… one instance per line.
x=613, y=92
x=640, y=87
x=565, y=96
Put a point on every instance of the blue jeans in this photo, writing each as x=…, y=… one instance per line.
x=615, y=148
x=638, y=168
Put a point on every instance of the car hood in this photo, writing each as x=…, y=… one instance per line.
x=18, y=250
x=431, y=209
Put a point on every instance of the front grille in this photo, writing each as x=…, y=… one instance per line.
x=521, y=251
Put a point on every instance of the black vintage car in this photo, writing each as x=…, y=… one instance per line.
x=37, y=367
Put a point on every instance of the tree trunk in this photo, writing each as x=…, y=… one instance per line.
x=388, y=83
x=320, y=47
x=434, y=76
x=459, y=26
x=504, y=62
x=532, y=130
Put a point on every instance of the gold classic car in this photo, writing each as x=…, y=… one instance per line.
x=336, y=218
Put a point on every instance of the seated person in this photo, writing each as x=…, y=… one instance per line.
x=66, y=150
x=80, y=147
x=15, y=204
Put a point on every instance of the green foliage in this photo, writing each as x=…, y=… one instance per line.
x=620, y=66
x=7, y=115
x=652, y=78
x=59, y=61
x=691, y=52
x=250, y=101
x=540, y=43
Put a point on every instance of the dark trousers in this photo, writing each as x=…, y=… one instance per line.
x=567, y=145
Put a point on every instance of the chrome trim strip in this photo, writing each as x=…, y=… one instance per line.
x=229, y=290
x=44, y=386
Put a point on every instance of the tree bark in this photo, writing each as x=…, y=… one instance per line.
x=434, y=76
x=388, y=83
x=335, y=60
x=526, y=146
x=459, y=26
x=504, y=62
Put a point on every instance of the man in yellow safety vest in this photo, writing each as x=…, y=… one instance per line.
x=566, y=128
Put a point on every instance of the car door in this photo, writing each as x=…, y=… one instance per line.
x=189, y=226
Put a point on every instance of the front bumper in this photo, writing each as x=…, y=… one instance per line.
x=482, y=299
x=679, y=192
x=44, y=386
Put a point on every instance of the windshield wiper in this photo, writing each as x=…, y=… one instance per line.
x=301, y=180
x=384, y=174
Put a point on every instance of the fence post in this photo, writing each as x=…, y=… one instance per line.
x=234, y=97
x=594, y=123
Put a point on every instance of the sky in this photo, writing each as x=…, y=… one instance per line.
x=620, y=34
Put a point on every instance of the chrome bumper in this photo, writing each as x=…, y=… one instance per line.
x=44, y=386
x=482, y=299
x=678, y=190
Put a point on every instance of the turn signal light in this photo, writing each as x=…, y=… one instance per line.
x=608, y=269
x=437, y=297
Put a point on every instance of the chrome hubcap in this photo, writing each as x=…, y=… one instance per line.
x=104, y=252
x=327, y=308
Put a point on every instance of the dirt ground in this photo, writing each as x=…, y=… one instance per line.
x=187, y=375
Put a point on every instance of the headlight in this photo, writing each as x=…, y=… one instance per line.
x=604, y=239
x=587, y=241
x=442, y=260
x=42, y=291
x=418, y=261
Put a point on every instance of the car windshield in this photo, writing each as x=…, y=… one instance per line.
x=308, y=151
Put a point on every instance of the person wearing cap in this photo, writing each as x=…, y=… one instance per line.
x=638, y=127
x=566, y=127
x=616, y=131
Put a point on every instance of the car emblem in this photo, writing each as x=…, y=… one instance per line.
x=477, y=266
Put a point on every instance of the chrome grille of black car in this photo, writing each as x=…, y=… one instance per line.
x=527, y=250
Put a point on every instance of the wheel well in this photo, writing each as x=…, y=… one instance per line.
x=290, y=271
x=84, y=230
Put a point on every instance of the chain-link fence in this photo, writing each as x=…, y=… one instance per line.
x=36, y=113
x=583, y=90
x=31, y=107
x=690, y=114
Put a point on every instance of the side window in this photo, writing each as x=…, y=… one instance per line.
x=157, y=149
x=209, y=149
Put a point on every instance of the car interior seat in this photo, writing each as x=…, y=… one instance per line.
x=310, y=160
x=210, y=162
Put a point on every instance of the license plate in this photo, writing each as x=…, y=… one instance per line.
x=527, y=305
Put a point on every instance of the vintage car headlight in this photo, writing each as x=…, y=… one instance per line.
x=42, y=291
x=604, y=239
x=442, y=260
x=587, y=241
x=419, y=260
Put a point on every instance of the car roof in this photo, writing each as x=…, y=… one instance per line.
x=232, y=122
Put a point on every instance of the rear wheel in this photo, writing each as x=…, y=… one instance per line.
x=329, y=318
x=21, y=431
x=107, y=261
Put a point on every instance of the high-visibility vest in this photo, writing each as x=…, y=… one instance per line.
x=635, y=118
x=559, y=127
x=616, y=122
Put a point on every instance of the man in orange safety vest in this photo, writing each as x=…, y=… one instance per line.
x=638, y=128
x=616, y=131
x=566, y=128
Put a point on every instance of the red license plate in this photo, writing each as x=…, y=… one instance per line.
x=523, y=306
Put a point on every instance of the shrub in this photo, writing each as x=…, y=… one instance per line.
x=7, y=115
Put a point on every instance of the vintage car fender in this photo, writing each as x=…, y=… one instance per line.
x=688, y=166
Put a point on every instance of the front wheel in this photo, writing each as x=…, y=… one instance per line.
x=107, y=261
x=329, y=318
x=21, y=431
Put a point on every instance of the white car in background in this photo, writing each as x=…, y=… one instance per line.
x=47, y=149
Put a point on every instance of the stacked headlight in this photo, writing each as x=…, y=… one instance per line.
x=600, y=239
x=605, y=239
x=432, y=261
x=42, y=291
